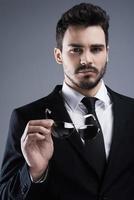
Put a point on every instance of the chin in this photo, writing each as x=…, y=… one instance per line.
x=89, y=84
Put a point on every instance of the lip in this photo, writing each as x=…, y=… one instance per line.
x=86, y=72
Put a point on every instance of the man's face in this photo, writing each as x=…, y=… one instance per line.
x=84, y=56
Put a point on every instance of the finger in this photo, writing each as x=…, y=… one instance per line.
x=38, y=136
x=36, y=130
x=25, y=132
x=47, y=123
x=32, y=139
x=39, y=129
x=45, y=126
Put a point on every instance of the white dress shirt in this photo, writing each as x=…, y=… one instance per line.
x=103, y=108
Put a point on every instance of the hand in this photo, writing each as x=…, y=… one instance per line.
x=37, y=146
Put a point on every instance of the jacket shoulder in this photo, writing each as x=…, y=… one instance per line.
x=120, y=97
x=37, y=106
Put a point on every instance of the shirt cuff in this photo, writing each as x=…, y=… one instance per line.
x=42, y=179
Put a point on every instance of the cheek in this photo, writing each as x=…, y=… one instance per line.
x=101, y=60
x=71, y=60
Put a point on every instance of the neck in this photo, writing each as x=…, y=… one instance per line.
x=86, y=92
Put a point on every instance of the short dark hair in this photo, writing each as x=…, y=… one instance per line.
x=83, y=14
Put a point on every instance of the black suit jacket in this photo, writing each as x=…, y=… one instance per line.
x=71, y=175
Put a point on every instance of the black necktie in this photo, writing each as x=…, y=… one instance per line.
x=94, y=143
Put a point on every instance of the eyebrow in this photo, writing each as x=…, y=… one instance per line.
x=92, y=45
x=75, y=45
x=98, y=45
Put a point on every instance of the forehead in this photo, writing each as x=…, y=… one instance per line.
x=84, y=35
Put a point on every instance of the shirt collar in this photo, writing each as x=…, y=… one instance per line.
x=73, y=98
x=103, y=95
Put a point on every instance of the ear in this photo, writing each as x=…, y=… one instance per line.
x=58, y=55
x=107, y=54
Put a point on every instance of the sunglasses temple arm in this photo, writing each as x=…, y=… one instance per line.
x=47, y=113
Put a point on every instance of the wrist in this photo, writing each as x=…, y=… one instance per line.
x=36, y=175
x=42, y=179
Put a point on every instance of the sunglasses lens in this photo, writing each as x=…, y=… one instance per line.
x=62, y=129
x=88, y=132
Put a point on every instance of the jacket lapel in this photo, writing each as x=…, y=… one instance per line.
x=118, y=133
x=55, y=103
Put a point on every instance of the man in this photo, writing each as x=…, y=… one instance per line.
x=38, y=165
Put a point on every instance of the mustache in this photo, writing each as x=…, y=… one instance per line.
x=86, y=68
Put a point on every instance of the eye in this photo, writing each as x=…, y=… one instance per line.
x=76, y=50
x=96, y=50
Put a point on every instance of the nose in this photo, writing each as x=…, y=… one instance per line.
x=86, y=58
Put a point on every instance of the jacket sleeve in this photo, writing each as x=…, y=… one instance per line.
x=15, y=181
x=14, y=178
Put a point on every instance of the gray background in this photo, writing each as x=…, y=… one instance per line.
x=27, y=37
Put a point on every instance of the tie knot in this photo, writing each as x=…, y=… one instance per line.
x=89, y=103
